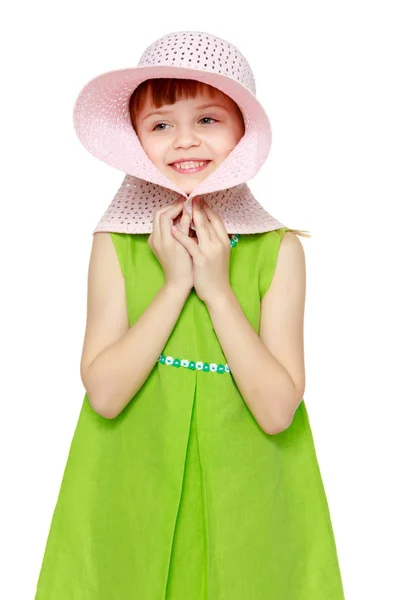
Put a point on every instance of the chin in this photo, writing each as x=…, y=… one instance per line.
x=195, y=181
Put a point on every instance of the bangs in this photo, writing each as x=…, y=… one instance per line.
x=166, y=90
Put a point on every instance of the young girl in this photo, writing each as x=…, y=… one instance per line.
x=192, y=473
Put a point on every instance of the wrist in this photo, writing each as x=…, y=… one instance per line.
x=178, y=289
x=220, y=299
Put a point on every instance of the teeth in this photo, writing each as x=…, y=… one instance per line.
x=189, y=165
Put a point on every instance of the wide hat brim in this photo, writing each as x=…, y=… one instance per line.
x=103, y=125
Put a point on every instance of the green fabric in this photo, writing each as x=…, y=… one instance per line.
x=183, y=496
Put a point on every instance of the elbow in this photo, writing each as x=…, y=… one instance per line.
x=99, y=398
x=278, y=424
x=106, y=413
x=283, y=421
x=109, y=404
x=271, y=426
x=278, y=427
x=273, y=430
x=102, y=407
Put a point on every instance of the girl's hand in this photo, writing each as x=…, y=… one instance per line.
x=211, y=255
x=174, y=258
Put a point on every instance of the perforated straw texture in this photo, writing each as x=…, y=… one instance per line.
x=201, y=51
x=133, y=205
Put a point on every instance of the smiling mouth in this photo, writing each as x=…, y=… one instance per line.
x=190, y=166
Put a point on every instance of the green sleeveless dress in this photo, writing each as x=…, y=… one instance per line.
x=183, y=496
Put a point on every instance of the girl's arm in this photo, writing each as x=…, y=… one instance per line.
x=117, y=359
x=268, y=369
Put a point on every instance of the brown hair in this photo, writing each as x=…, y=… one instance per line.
x=167, y=90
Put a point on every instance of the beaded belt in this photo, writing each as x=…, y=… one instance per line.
x=199, y=365
x=192, y=365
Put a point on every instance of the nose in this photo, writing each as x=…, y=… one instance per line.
x=185, y=137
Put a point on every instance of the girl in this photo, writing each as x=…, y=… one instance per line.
x=192, y=473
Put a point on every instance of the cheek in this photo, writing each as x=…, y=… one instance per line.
x=223, y=144
x=153, y=150
x=223, y=137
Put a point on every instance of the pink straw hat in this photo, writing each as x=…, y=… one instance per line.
x=102, y=122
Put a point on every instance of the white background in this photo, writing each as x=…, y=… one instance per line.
x=328, y=75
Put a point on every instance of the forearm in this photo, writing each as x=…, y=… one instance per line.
x=119, y=371
x=264, y=383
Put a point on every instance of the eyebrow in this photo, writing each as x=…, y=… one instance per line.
x=164, y=111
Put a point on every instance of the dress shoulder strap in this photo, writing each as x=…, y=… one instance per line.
x=120, y=241
x=270, y=248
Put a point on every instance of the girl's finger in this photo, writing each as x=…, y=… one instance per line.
x=185, y=222
x=185, y=240
x=216, y=221
x=204, y=228
x=162, y=218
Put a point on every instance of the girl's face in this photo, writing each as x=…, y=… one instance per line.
x=206, y=128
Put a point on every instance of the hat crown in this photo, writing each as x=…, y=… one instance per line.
x=201, y=51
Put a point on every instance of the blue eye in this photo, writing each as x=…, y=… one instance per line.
x=158, y=124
